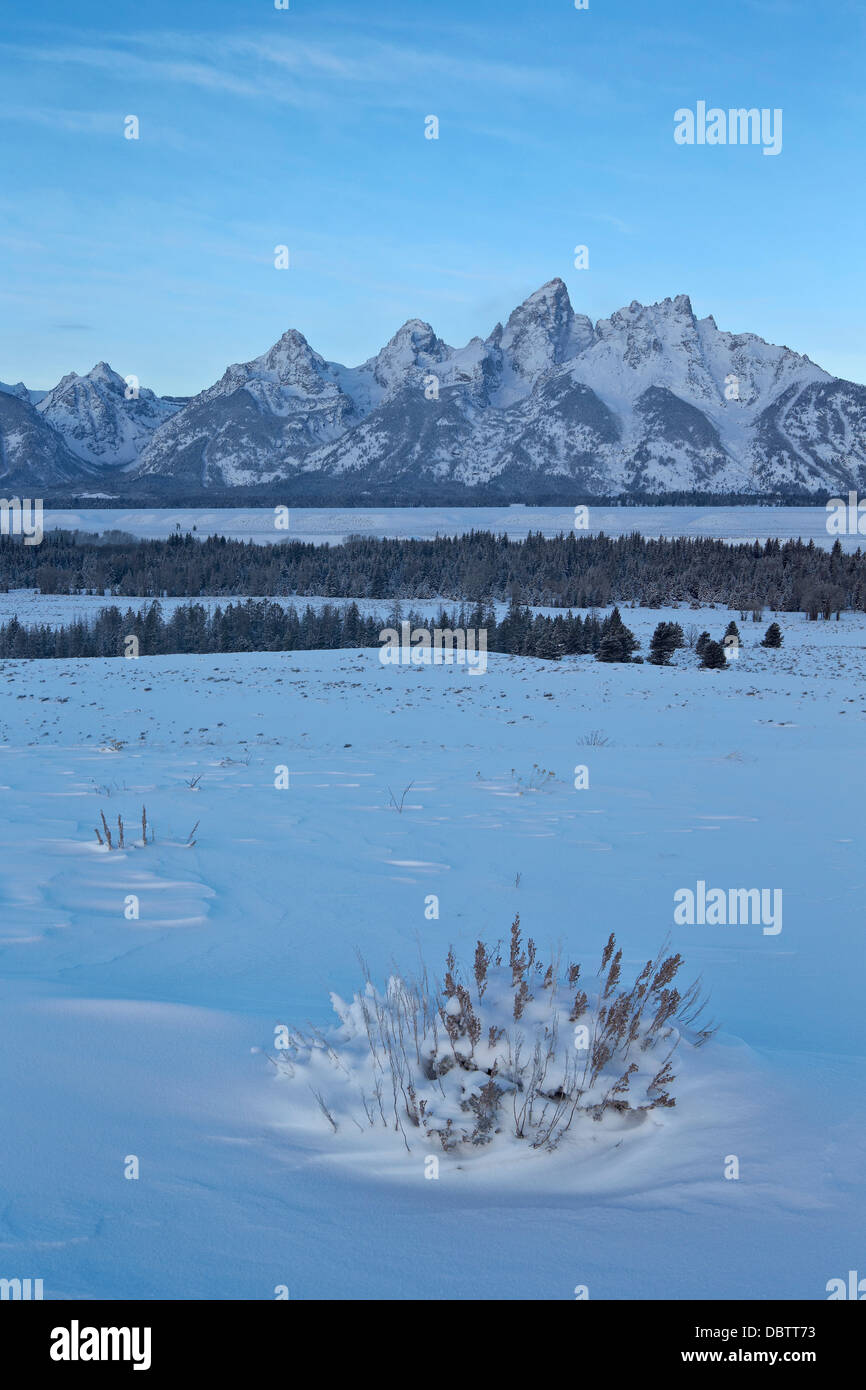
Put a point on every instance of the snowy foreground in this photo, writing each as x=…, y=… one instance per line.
x=149, y=1037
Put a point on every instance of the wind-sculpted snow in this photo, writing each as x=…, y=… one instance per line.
x=511, y=1050
x=132, y=1035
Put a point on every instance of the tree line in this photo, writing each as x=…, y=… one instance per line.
x=260, y=625
x=565, y=571
x=316, y=490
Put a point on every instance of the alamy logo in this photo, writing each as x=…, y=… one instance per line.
x=720, y=907
x=855, y=1287
x=21, y=518
x=736, y=126
x=444, y=646
x=20, y=1289
x=846, y=520
x=76, y=1343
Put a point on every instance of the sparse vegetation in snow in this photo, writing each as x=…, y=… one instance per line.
x=509, y=1047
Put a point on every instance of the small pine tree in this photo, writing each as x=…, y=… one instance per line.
x=659, y=648
x=713, y=657
x=773, y=636
x=732, y=630
x=546, y=647
x=701, y=643
x=664, y=642
x=611, y=648
x=617, y=641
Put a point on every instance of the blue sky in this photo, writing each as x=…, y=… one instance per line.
x=305, y=127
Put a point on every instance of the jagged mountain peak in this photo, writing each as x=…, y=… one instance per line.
x=552, y=297
x=290, y=355
x=551, y=301
x=17, y=389
x=101, y=383
x=541, y=333
x=650, y=398
x=676, y=309
x=413, y=340
x=416, y=331
x=682, y=304
x=414, y=346
x=22, y=392
x=549, y=306
x=291, y=342
x=102, y=417
x=101, y=377
x=103, y=371
x=66, y=380
x=289, y=368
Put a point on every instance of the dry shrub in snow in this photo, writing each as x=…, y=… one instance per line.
x=510, y=1046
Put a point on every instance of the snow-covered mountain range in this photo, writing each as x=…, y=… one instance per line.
x=651, y=399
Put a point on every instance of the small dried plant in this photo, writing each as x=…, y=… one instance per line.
x=398, y=805
x=117, y=840
x=534, y=781
x=517, y=1048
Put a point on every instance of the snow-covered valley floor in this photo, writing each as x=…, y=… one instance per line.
x=124, y=1037
x=331, y=525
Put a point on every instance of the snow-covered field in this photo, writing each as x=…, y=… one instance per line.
x=124, y=1037
x=56, y=610
x=332, y=524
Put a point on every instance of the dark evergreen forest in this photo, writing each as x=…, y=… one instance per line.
x=264, y=626
x=564, y=571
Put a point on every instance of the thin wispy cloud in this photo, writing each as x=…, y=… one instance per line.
x=611, y=221
x=359, y=59
x=121, y=64
x=387, y=63
x=60, y=118
x=239, y=65
x=308, y=129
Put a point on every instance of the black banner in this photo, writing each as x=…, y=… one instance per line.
x=82, y=1339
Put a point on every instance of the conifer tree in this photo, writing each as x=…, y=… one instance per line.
x=713, y=657
x=664, y=643
x=617, y=641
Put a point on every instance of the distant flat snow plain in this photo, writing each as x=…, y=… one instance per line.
x=332, y=525
x=126, y=1036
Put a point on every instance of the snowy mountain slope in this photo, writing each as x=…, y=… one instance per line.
x=651, y=399
x=541, y=333
x=31, y=452
x=101, y=418
x=816, y=434
x=278, y=406
x=22, y=392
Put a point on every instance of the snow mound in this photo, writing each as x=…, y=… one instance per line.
x=504, y=1052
